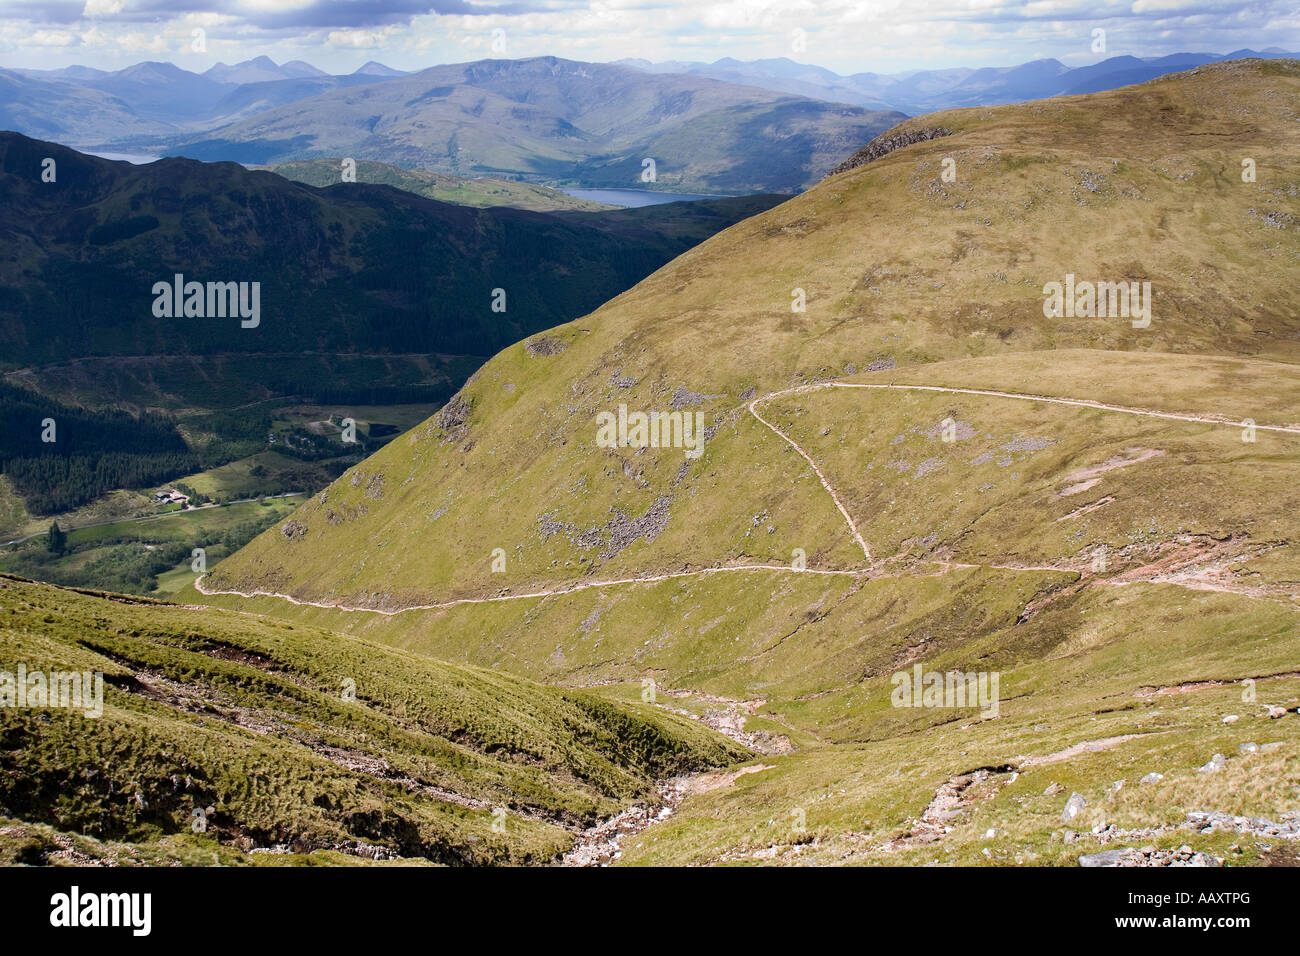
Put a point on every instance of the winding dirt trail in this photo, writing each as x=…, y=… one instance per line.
x=1077, y=402
x=872, y=565
x=571, y=589
x=604, y=843
x=808, y=458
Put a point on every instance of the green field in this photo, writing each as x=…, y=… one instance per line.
x=266, y=471
x=148, y=556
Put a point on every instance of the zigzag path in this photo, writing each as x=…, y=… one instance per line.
x=872, y=567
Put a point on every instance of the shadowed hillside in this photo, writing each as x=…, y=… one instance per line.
x=351, y=268
x=439, y=186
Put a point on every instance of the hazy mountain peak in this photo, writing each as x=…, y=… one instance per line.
x=375, y=68
x=256, y=70
x=153, y=67
x=922, y=91
x=300, y=68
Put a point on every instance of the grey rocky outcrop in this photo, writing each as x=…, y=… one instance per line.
x=887, y=142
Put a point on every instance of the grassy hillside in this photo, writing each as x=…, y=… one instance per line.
x=369, y=296
x=715, y=329
x=323, y=747
x=1106, y=532
x=445, y=188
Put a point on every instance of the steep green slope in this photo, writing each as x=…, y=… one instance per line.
x=922, y=468
x=513, y=462
x=294, y=737
x=358, y=295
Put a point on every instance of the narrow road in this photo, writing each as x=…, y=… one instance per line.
x=571, y=589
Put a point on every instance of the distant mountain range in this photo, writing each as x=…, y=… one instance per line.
x=82, y=106
x=924, y=91
x=260, y=69
x=553, y=120
x=725, y=127
x=541, y=120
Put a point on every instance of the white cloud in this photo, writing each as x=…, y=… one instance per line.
x=358, y=39
x=275, y=6
x=93, y=37
x=99, y=8
x=141, y=43
x=845, y=35
x=51, y=38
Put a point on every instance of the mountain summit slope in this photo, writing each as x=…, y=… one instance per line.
x=898, y=268
x=920, y=473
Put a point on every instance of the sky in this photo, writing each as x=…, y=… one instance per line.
x=847, y=36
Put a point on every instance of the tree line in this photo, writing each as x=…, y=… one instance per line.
x=60, y=456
